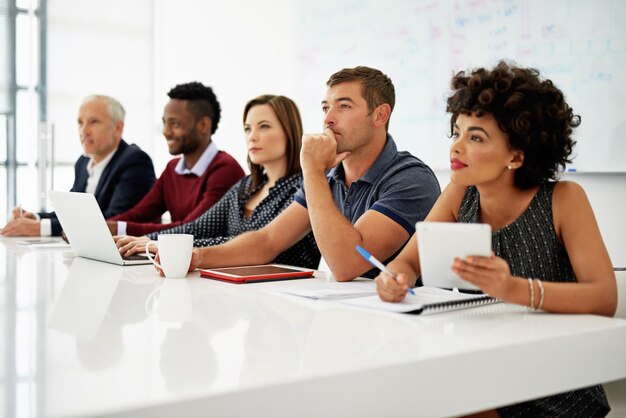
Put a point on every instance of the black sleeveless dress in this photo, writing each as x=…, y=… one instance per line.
x=531, y=247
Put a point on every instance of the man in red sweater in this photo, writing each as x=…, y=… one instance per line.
x=191, y=184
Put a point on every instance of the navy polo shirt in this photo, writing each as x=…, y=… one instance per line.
x=398, y=185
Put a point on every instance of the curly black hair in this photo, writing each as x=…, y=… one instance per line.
x=531, y=111
x=201, y=101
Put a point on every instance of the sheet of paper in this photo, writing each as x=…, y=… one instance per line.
x=423, y=296
x=332, y=290
x=51, y=242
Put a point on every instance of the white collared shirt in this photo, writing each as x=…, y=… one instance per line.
x=94, y=170
x=203, y=162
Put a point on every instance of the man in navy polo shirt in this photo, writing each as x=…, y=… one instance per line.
x=372, y=196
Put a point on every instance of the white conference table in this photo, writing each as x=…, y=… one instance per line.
x=81, y=338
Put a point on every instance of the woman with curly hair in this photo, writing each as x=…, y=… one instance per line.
x=511, y=135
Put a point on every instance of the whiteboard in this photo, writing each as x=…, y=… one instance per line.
x=580, y=45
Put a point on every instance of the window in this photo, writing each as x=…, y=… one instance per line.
x=22, y=107
x=22, y=101
x=7, y=103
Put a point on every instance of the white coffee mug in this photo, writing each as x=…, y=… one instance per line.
x=174, y=254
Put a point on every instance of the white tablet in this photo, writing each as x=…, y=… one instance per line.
x=439, y=243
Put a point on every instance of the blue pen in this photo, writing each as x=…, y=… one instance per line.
x=373, y=261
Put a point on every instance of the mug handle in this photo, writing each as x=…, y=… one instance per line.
x=149, y=255
x=152, y=300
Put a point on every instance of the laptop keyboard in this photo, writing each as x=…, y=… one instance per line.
x=135, y=257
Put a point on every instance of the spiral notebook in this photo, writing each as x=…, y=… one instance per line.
x=427, y=300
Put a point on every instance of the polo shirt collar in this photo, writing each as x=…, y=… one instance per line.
x=380, y=164
x=203, y=163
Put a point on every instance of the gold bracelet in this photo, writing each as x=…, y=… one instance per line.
x=540, y=294
x=532, y=294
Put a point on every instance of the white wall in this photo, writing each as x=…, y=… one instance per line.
x=99, y=47
x=94, y=47
x=137, y=50
x=241, y=49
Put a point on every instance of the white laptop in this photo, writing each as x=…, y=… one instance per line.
x=439, y=243
x=86, y=229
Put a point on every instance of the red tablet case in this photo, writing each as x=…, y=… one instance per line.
x=253, y=274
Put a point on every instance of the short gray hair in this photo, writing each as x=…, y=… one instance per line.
x=114, y=108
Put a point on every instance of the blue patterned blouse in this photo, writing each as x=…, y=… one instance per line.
x=225, y=220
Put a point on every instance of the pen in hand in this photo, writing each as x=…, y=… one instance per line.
x=373, y=261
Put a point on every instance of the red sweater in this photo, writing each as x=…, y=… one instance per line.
x=185, y=196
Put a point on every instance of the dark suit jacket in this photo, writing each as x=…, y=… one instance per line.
x=125, y=180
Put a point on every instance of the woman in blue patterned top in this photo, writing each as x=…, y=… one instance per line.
x=273, y=131
x=511, y=135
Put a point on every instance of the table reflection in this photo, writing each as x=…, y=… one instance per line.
x=27, y=288
x=85, y=298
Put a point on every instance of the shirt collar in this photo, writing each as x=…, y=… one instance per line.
x=100, y=165
x=203, y=162
x=380, y=164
